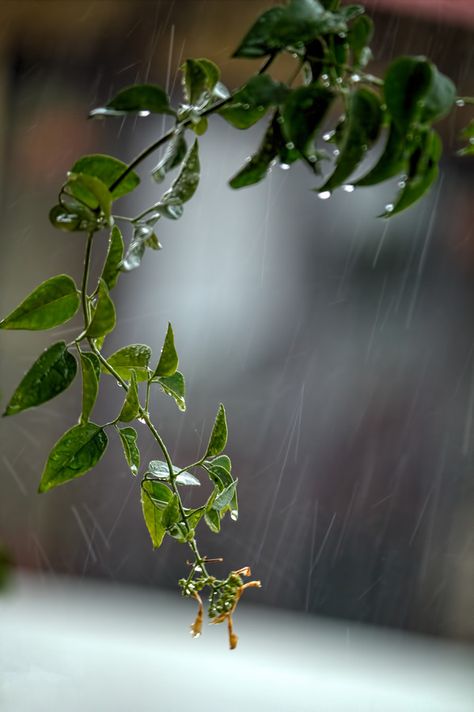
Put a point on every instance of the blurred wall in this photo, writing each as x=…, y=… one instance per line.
x=342, y=346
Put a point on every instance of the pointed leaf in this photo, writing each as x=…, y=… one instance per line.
x=218, y=439
x=103, y=318
x=49, y=376
x=160, y=470
x=423, y=171
x=171, y=513
x=200, y=76
x=174, y=386
x=259, y=164
x=90, y=191
x=363, y=125
x=111, y=270
x=141, y=98
x=131, y=406
x=392, y=162
x=90, y=366
x=128, y=437
x=108, y=170
x=303, y=112
x=406, y=83
x=75, y=453
x=440, y=97
x=53, y=302
x=152, y=513
x=168, y=362
x=143, y=236
x=135, y=357
x=358, y=37
x=224, y=498
x=213, y=520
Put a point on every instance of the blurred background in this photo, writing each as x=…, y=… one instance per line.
x=341, y=345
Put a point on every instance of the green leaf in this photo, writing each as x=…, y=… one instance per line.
x=90, y=191
x=174, y=154
x=49, y=376
x=108, y=170
x=392, y=162
x=128, y=437
x=406, y=83
x=218, y=439
x=174, y=387
x=183, y=187
x=111, y=270
x=440, y=98
x=103, y=317
x=224, y=498
x=303, y=112
x=259, y=164
x=75, y=453
x=297, y=23
x=152, y=513
x=143, y=236
x=135, y=357
x=75, y=218
x=141, y=98
x=249, y=104
x=200, y=76
x=194, y=516
x=160, y=493
x=90, y=366
x=364, y=117
x=53, y=302
x=160, y=470
x=171, y=513
x=213, y=520
x=468, y=133
x=168, y=362
x=358, y=37
x=131, y=405
x=219, y=471
x=422, y=172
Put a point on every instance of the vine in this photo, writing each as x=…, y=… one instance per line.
x=329, y=45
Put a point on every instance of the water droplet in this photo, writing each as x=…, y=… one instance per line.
x=119, y=384
x=328, y=135
x=234, y=515
x=246, y=106
x=324, y=195
x=355, y=77
x=336, y=152
x=280, y=119
x=198, y=568
x=339, y=80
x=324, y=77
x=401, y=183
x=290, y=145
x=284, y=166
x=260, y=108
x=348, y=188
x=389, y=207
x=141, y=420
x=144, y=113
x=342, y=35
x=133, y=469
x=312, y=159
x=460, y=102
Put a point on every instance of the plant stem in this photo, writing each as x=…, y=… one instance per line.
x=85, y=279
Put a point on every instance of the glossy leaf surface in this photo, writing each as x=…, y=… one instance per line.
x=53, y=302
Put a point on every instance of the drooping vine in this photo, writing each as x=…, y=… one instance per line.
x=329, y=98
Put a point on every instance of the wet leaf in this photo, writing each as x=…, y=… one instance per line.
x=224, y=498
x=152, y=513
x=90, y=366
x=131, y=405
x=174, y=386
x=111, y=270
x=143, y=237
x=364, y=117
x=146, y=98
x=108, y=169
x=468, y=133
x=422, y=172
x=200, y=76
x=160, y=470
x=49, y=376
x=218, y=439
x=173, y=156
x=303, y=112
x=53, y=302
x=298, y=22
x=392, y=162
x=213, y=520
x=249, y=104
x=183, y=187
x=358, y=38
x=259, y=164
x=406, y=83
x=171, y=513
x=135, y=357
x=90, y=191
x=75, y=453
x=168, y=362
x=128, y=438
